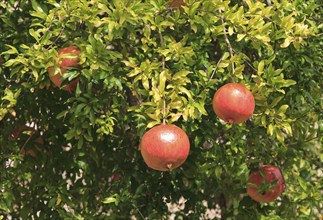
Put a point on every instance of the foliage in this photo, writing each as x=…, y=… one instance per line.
x=142, y=63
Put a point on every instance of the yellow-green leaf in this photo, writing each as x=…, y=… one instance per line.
x=152, y=124
x=286, y=43
x=162, y=81
x=240, y=37
x=270, y=129
x=282, y=109
x=261, y=67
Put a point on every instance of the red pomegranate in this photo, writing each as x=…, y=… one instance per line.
x=165, y=147
x=63, y=64
x=24, y=133
x=266, y=184
x=117, y=175
x=176, y=3
x=233, y=103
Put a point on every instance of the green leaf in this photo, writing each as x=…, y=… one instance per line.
x=279, y=135
x=34, y=34
x=302, y=183
x=152, y=124
x=162, y=81
x=185, y=91
x=287, y=128
x=193, y=8
x=200, y=107
x=10, y=62
x=80, y=142
x=240, y=37
x=129, y=64
x=145, y=83
x=263, y=120
x=282, y=109
x=270, y=129
x=62, y=114
x=225, y=55
x=36, y=6
x=79, y=108
x=181, y=74
x=112, y=199
x=12, y=50
x=39, y=12
x=276, y=101
x=288, y=83
x=261, y=67
x=286, y=43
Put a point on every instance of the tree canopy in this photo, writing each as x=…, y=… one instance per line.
x=74, y=154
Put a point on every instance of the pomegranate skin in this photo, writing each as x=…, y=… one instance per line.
x=66, y=62
x=176, y=3
x=37, y=142
x=233, y=103
x=270, y=174
x=63, y=65
x=164, y=147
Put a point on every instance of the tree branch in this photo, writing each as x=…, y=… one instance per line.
x=229, y=47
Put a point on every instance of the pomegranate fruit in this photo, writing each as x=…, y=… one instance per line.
x=164, y=147
x=233, y=103
x=116, y=176
x=25, y=134
x=176, y=3
x=266, y=184
x=63, y=64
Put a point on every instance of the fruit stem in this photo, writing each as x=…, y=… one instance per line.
x=164, y=111
x=164, y=66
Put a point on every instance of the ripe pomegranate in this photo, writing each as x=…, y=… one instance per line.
x=116, y=176
x=25, y=133
x=176, y=3
x=266, y=184
x=164, y=147
x=63, y=65
x=233, y=103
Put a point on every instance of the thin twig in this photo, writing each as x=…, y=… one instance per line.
x=305, y=141
x=141, y=215
x=229, y=46
x=217, y=65
x=28, y=139
x=162, y=43
x=164, y=111
x=59, y=35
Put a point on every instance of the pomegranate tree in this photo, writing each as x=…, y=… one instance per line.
x=165, y=147
x=266, y=184
x=233, y=103
x=68, y=58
